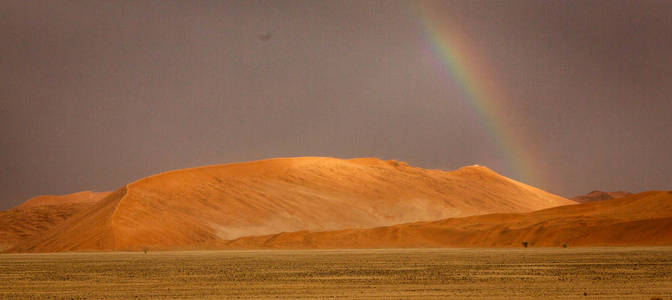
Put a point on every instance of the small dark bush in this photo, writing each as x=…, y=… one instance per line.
x=525, y=244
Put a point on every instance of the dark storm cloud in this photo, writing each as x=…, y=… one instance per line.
x=96, y=94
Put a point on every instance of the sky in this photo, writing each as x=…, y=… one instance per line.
x=97, y=94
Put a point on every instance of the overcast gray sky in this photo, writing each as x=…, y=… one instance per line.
x=96, y=94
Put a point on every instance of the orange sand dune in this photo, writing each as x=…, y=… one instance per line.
x=638, y=220
x=599, y=196
x=39, y=214
x=81, y=197
x=190, y=207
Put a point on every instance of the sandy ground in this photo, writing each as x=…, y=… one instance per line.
x=607, y=273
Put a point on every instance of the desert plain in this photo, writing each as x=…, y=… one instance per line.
x=542, y=273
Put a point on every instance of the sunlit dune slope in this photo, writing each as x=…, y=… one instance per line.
x=599, y=196
x=638, y=220
x=193, y=206
x=41, y=213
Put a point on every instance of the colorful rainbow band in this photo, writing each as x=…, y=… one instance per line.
x=465, y=67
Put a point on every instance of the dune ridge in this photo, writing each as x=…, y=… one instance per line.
x=643, y=219
x=189, y=207
x=40, y=214
x=74, y=198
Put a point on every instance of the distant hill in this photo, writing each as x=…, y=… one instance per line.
x=637, y=220
x=599, y=196
x=186, y=208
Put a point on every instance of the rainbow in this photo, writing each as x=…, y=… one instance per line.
x=465, y=66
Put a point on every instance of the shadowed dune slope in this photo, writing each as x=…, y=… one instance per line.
x=39, y=214
x=190, y=207
x=638, y=220
x=599, y=196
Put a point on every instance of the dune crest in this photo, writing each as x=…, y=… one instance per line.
x=80, y=197
x=637, y=220
x=40, y=214
x=190, y=207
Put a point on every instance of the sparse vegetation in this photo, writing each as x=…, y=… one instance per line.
x=525, y=244
x=564, y=245
x=370, y=274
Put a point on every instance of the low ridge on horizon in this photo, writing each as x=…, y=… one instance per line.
x=188, y=207
x=597, y=195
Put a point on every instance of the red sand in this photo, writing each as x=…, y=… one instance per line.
x=191, y=207
x=638, y=220
x=39, y=214
x=81, y=197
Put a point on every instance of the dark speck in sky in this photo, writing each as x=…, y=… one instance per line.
x=265, y=36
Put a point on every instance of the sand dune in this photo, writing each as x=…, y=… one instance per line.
x=638, y=220
x=41, y=213
x=599, y=196
x=191, y=207
x=74, y=198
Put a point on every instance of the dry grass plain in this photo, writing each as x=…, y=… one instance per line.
x=608, y=273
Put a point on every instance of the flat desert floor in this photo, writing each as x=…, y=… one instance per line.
x=639, y=273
